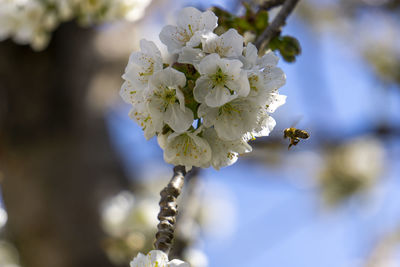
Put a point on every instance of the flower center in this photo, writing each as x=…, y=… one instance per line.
x=228, y=108
x=253, y=80
x=219, y=78
x=169, y=96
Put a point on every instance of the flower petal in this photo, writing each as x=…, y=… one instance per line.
x=218, y=96
x=232, y=42
x=191, y=55
x=178, y=119
x=187, y=149
x=202, y=88
x=208, y=65
x=178, y=263
x=169, y=37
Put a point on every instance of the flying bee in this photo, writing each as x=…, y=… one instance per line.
x=295, y=135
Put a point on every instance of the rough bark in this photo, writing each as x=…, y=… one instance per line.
x=55, y=154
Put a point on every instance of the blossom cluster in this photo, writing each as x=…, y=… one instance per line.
x=156, y=258
x=205, y=107
x=32, y=21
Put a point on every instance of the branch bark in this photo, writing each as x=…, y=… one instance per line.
x=271, y=4
x=275, y=27
x=169, y=210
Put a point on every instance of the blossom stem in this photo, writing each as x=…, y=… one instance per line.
x=275, y=27
x=169, y=210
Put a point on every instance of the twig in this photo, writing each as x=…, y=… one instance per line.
x=169, y=210
x=187, y=214
x=275, y=27
x=271, y=4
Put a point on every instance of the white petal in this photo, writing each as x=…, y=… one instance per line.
x=156, y=106
x=178, y=263
x=128, y=93
x=169, y=37
x=232, y=42
x=274, y=78
x=150, y=125
x=240, y=85
x=250, y=56
x=230, y=66
x=177, y=119
x=149, y=47
x=139, y=260
x=274, y=102
x=210, y=42
x=244, y=86
x=162, y=140
x=195, y=40
x=191, y=55
x=202, y=88
x=224, y=153
x=142, y=65
x=236, y=118
x=189, y=16
x=268, y=60
x=208, y=65
x=209, y=20
x=168, y=77
x=218, y=96
x=181, y=99
x=158, y=258
x=188, y=150
x=266, y=125
x=208, y=114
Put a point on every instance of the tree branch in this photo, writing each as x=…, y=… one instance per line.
x=271, y=4
x=169, y=210
x=275, y=27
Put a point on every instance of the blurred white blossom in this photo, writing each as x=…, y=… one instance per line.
x=8, y=255
x=195, y=257
x=32, y=21
x=124, y=213
x=3, y=217
x=352, y=167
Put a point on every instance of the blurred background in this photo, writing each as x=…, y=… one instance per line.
x=80, y=184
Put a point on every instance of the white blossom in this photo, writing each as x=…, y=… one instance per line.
x=141, y=67
x=26, y=21
x=191, y=55
x=229, y=44
x=191, y=24
x=251, y=60
x=221, y=81
x=265, y=124
x=224, y=153
x=166, y=100
x=187, y=149
x=226, y=87
x=233, y=119
x=156, y=258
x=150, y=125
x=32, y=21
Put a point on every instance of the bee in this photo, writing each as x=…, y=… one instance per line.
x=295, y=135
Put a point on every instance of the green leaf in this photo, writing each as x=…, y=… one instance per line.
x=291, y=45
x=261, y=21
x=288, y=46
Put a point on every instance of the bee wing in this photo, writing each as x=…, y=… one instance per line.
x=297, y=120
